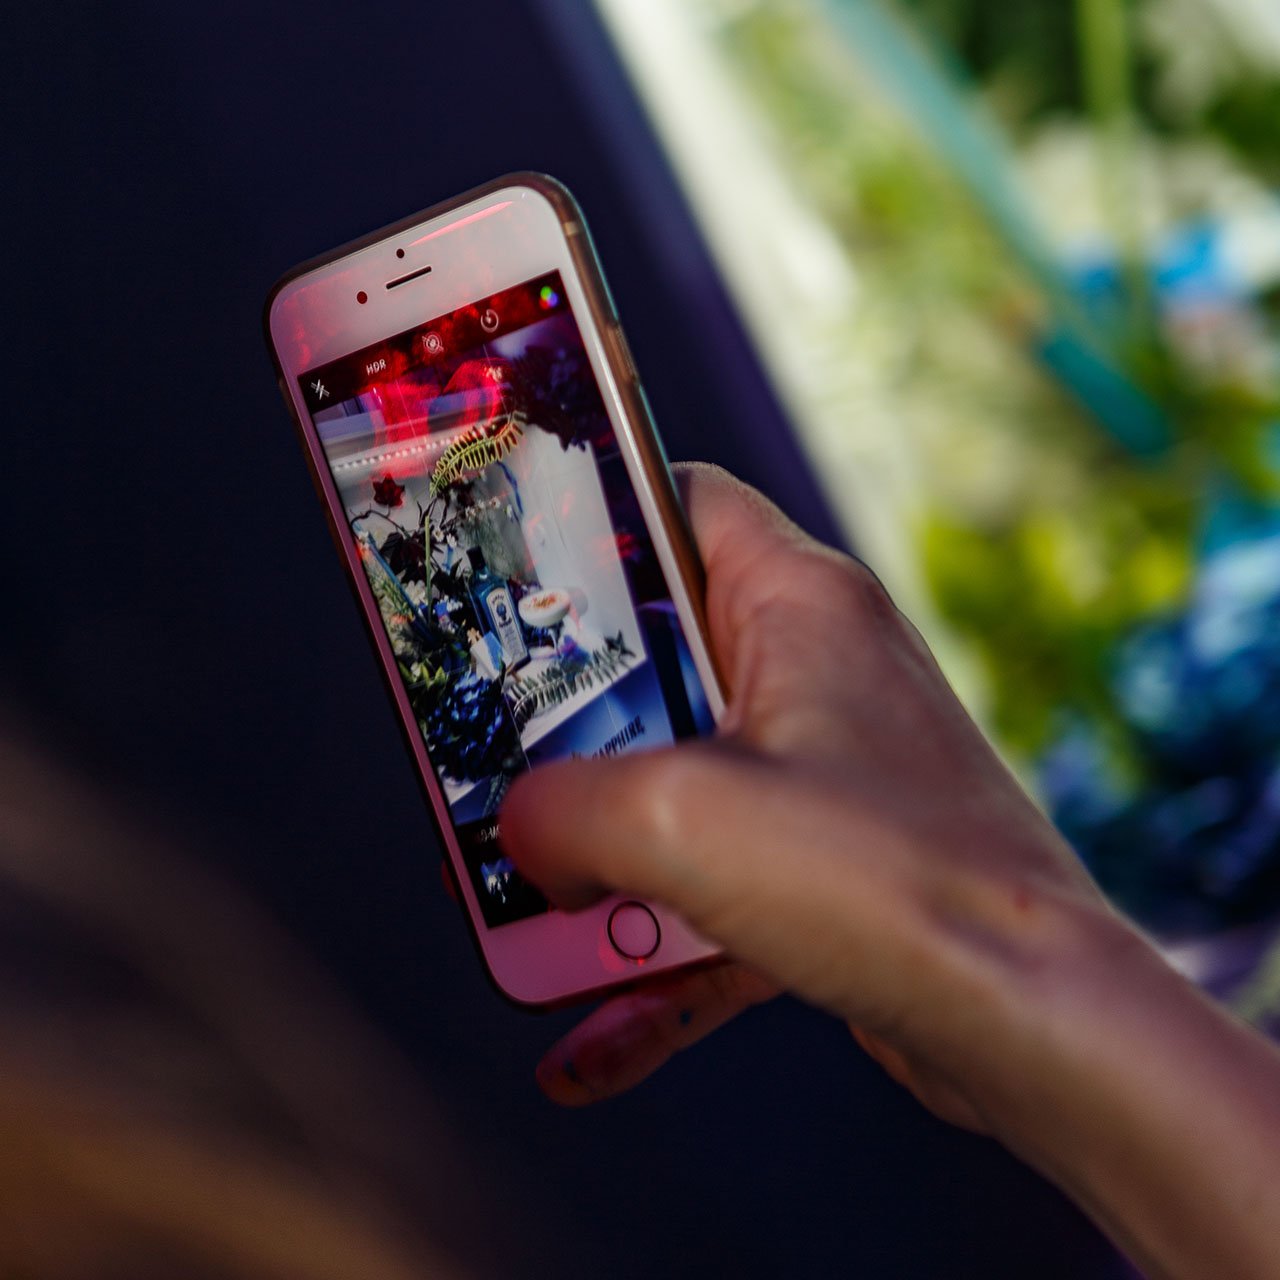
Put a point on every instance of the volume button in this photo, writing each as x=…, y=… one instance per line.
x=622, y=351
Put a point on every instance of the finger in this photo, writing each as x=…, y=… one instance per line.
x=629, y=1037
x=637, y=825
x=737, y=529
x=938, y=1093
x=724, y=510
x=800, y=631
x=750, y=854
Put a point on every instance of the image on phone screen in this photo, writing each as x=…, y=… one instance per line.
x=492, y=511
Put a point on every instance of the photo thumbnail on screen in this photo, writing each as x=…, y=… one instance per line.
x=504, y=544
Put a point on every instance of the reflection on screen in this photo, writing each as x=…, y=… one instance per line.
x=505, y=547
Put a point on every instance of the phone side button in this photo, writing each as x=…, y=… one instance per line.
x=633, y=930
x=622, y=351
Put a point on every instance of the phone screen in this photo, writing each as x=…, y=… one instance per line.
x=491, y=507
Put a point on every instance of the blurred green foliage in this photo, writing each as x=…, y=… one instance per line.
x=1075, y=540
x=1024, y=54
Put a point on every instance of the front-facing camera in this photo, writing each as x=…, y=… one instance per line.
x=362, y=297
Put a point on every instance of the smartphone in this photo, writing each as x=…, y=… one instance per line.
x=502, y=506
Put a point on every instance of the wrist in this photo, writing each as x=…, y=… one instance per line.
x=1063, y=1002
x=1140, y=1098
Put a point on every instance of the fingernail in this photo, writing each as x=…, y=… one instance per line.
x=558, y=1076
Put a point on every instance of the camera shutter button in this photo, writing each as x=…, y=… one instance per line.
x=633, y=930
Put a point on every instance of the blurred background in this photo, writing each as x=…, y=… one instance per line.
x=1016, y=278
x=990, y=295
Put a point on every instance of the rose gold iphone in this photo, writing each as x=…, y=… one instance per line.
x=501, y=503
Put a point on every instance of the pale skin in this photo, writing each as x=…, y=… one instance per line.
x=849, y=836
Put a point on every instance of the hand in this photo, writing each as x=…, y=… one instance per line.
x=851, y=837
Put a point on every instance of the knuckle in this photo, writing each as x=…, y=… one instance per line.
x=844, y=585
x=865, y=595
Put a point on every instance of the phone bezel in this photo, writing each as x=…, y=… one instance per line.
x=494, y=237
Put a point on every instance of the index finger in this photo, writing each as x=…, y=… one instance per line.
x=774, y=598
x=740, y=535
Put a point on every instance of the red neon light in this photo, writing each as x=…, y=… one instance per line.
x=462, y=222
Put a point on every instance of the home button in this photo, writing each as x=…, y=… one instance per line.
x=634, y=931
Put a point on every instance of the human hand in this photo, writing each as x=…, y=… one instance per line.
x=849, y=835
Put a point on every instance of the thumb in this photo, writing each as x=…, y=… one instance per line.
x=750, y=854
x=649, y=824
